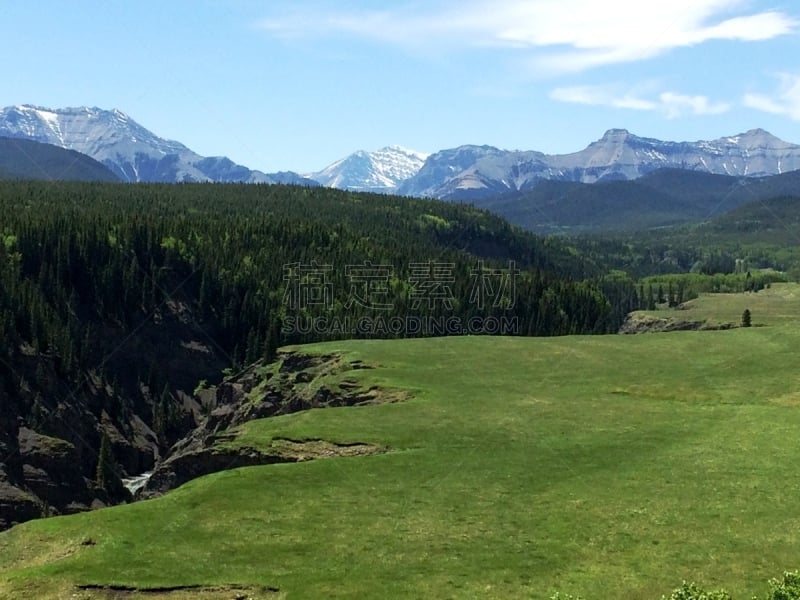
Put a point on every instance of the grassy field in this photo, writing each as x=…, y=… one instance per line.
x=777, y=305
x=610, y=467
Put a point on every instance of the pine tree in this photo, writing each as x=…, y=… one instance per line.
x=105, y=464
x=746, y=318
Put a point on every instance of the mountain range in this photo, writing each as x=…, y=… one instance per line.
x=131, y=152
x=472, y=172
x=525, y=186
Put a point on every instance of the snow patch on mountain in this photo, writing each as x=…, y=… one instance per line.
x=472, y=171
x=380, y=171
x=132, y=152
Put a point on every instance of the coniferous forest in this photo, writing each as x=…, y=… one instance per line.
x=117, y=301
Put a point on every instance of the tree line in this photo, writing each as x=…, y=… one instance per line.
x=90, y=271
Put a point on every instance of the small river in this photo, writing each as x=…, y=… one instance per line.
x=134, y=484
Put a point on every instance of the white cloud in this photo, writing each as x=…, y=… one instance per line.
x=785, y=101
x=672, y=105
x=676, y=105
x=573, y=34
x=595, y=95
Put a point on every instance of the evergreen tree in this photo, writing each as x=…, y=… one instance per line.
x=106, y=467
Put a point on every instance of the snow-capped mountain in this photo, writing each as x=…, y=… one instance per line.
x=473, y=172
x=129, y=150
x=379, y=171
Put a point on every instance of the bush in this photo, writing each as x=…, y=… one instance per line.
x=787, y=588
x=690, y=591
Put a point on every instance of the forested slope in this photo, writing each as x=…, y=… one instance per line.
x=116, y=301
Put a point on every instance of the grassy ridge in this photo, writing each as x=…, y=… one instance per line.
x=774, y=306
x=611, y=467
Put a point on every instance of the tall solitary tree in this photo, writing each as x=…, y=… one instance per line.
x=105, y=464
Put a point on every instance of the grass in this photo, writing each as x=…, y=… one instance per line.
x=777, y=305
x=610, y=467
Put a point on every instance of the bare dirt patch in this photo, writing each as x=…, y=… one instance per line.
x=228, y=592
x=302, y=450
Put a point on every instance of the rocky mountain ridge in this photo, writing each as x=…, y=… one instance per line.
x=131, y=152
x=470, y=172
x=380, y=171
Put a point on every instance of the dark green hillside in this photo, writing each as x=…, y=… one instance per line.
x=26, y=159
x=559, y=207
x=666, y=197
x=761, y=234
x=116, y=301
x=760, y=220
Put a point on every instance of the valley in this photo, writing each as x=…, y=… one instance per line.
x=252, y=411
x=400, y=300
x=611, y=466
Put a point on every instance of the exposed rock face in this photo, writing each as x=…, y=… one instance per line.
x=131, y=152
x=191, y=463
x=296, y=382
x=52, y=471
x=16, y=504
x=49, y=469
x=472, y=172
x=641, y=323
x=51, y=427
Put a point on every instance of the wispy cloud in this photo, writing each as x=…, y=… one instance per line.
x=671, y=104
x=785, y=101
x=676, y=105
x=601, y=95
x=566, y=35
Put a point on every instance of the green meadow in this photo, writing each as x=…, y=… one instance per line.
x=600, y=466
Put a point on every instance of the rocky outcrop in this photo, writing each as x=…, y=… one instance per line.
x=295, y=382
x=49, y=467
x=643, y=323
x=190, y=464
x=52, y=472
x=16, y=505
x=52, y=424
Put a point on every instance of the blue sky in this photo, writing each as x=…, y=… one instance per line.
x=295, y=85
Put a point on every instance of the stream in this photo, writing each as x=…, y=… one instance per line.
x=137, y=482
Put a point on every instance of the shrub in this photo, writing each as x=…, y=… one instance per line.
x=690, y=591
x=787, y=588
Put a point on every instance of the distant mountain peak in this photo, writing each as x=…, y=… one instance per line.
x=471, y=172
x=760, y=134
x=129, y=150
x=615, y=133
x=378, y=171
